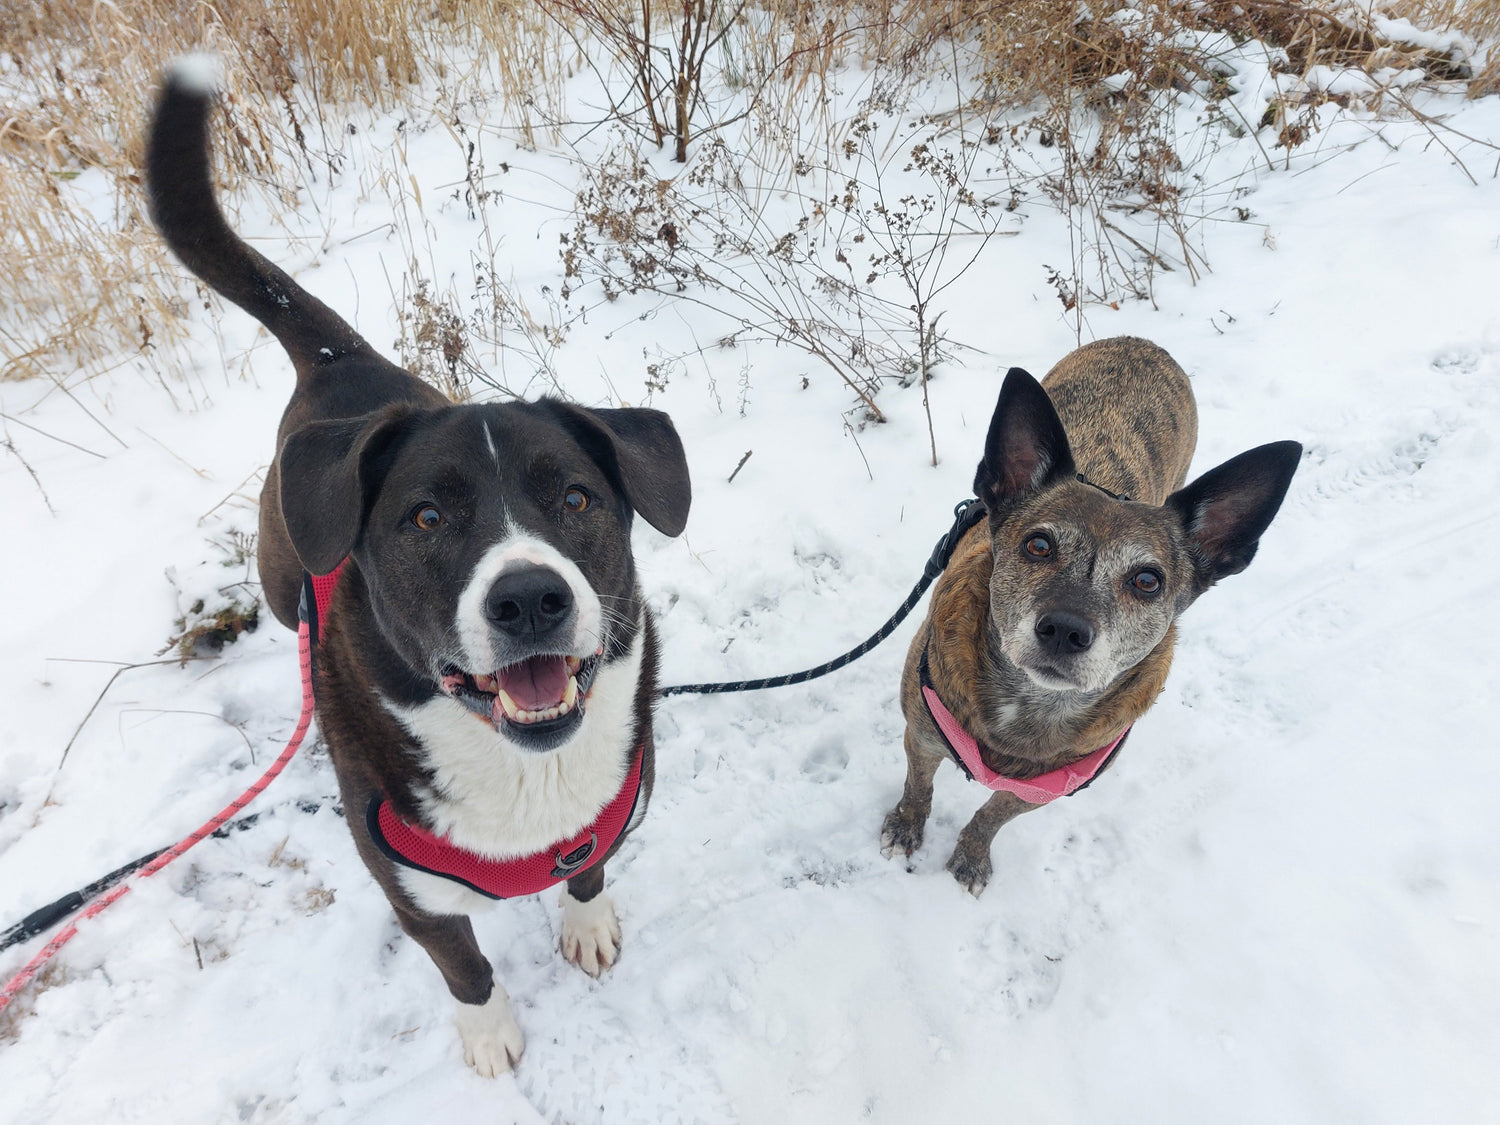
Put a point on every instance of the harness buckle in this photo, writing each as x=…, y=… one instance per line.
x=568, y=865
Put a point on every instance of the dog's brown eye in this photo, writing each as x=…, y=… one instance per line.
x=576, y=500
x=427, y=517
x=1039, y=547
x=1147, y=582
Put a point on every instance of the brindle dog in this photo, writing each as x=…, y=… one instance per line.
x=1051, y=630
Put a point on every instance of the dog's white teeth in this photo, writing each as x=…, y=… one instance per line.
x=485, y=683
x=556, y=711
x=573, y=664
x=507, y=704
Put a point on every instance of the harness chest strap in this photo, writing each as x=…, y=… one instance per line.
x=412, y=846
x=420, y=850
x=1061, y=782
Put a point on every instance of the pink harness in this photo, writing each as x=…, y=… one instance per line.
x=1061, y=782
x=415, y=847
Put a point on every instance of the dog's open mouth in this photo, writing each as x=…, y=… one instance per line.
x=541, y=693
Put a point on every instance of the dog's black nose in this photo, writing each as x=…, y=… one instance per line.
x=529, y=602
x=1064, y=634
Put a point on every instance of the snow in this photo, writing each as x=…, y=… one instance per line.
x=1455, y=44
x=1280, y=904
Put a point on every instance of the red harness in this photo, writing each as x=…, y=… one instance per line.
x=412, y=846
x=1061, y=782
x=421, y=850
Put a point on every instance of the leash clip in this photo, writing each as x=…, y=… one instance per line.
x=966, y=513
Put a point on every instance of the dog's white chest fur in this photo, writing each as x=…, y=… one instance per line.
x=491, y=797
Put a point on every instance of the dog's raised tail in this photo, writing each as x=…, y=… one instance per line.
x=179, y=184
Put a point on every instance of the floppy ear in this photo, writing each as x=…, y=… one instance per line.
x=327, y=472
x=1027, y=448
x=1227, y=509
x=640, y=451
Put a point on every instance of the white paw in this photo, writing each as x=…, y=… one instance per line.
x=590, y=933
x=492, y=1039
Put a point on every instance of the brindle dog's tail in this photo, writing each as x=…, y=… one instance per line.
x=179, y=181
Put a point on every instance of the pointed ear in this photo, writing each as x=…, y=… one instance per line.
x=1227, y=509
x=327, y=474
x=1026, y=448
x=640, y=451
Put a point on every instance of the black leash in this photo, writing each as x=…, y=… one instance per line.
x=965, y=515
x=44, y=918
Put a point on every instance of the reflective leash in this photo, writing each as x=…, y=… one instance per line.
x=965, y=515
x=56, y=911
x=43, y=918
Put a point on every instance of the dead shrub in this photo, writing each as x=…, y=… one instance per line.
x=83, y=276
x=200, y=633
x=434, y=340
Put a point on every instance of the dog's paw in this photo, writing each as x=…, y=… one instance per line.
x=900, y=834
x=590, y=933
x=492, y=1039
x=972, y=871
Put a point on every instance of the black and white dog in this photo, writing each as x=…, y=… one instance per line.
x=487, y=667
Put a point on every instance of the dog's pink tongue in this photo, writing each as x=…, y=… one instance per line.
x=535, y=684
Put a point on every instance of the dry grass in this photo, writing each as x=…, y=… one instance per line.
x=82, y=277
x=23, y=1007
x=1099, y=81
x=201, y=634
x=1478, y=18
x=1032, y=45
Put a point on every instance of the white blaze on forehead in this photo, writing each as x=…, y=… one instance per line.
x=473, y=626
x=489, y=440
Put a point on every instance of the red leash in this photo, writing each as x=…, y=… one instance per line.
x=304, y=654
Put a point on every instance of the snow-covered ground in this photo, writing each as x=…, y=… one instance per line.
x=1280, y=905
